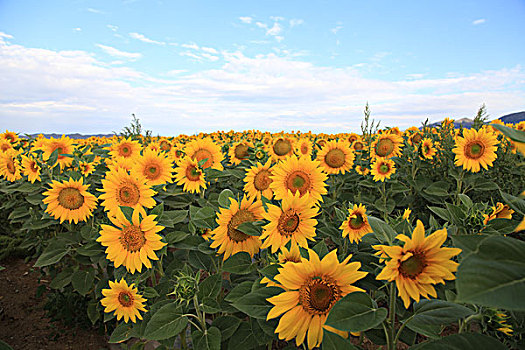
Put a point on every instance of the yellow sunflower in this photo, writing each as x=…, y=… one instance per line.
x=86, y=168
x=427, y=148
x=500, y=211
x=476, y=148
x=124, y=300
x=122, y=189
x=5, y=146
x=125, y=150
x=31, y=169
x=406, y=214
x=154, y=166
x=258, y=181
x=298, y=175
x=386, y=146
x=303, y=147
x=293, y=255
x=312, y=287
x=419, y=264
x=353, y=137
x=227, y=238
x=69, y=200
x=10, y=137
x=382, y=169
x=356, y=224
x=64, y=145
x=362, y=170
x=336, y=157
x=190, y=175
x=205, y=148
x=358, y=145
x=131, y=243
x=10, y=166
x=281, y=148
x=415, y=139
x=293, y=221
x=239, y=151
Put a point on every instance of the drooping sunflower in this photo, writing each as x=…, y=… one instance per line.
x=476, y=149
x=64, y=145
x=500, y=211
x=419, y=264
x=122, y=189
x=239, y=151
x=31, y=169
x=154, y=166
x=336, y=157
x=258, y=181
x=124, y=300
x=133, y=243
x=293, y=221
x=69, y=200
x=301, y=175
x=427, y=148
x=205, y=148
x=281, y=148
x=303, y=147
x=386, y=146
x=312, y=287
x=10, y=166
x=190, y=175
x=356, y=224
x=227, y=238
x=382, y=169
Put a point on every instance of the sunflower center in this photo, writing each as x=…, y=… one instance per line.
x=241, y=152
x=288, y=223
x=413, y=266
x=318, y=295
x=384, y=147
x=128, y=194
x=125, y=299
x=282, y=147
x=356, y=222
x=298, y=181
x=204, y=154
x=417, y=138
x=70, y=198
x=11, y=166
x=124, y=150
x=192, y=173
x=358, y=146
x=34, y=167
x=165, y=146
x=5, y=147
x=474, y=150
x=152, y=172
x=304, y=148
x=352, y=138
x=238, y=218
x=335, y=158
x=384, y=168
x=132, y=238
x=262, y=180
x=10, y=138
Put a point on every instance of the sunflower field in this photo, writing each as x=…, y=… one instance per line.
x=251, y=240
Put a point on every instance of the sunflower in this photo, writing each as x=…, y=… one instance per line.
x=362, y=170
x=358, y=145
x=258, y=181
x=281, y=148
x=415, y=139
x=406, y=214
x=353, y=137
x=356, y=224
x=293, y=255
x=475, y=148
x=239, y=151
x=5, y=146
x=69, y=200
x=382, y=169
x=124, y=300
x=227, y=238
x=312, y=287
x=205, y=148
x=10, y=137
x=427, y=148
x=293, y=221
x=419, y=264
x=303, y=147
x=154, y=166
x=131, y=243
x=86, y=168
x=64, y=145
x=500, y=211
x=10, y=166
x=31, y=169
x=336, y=157
x=125, y=148
x=298, y=175
x=123, y=189
x=190, y=175
x=386, y=146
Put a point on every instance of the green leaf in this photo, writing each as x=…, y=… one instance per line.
x=442, y=213
x=270, y=271
x=355, y=313
x=128, y=213
x=511, y=133
x=93, y=312
x=210, y=339
x=332, y=341
x=321, y=249
x=250, y=228
x=436, y=312
x=5, y=346
x=122, y=333
x=210, y=287
x=457, y=215
x=199, y=260
x=210, y=306
x=224, y=198
x=254, y=304
x=83, y=281
x=204, y=213
x=438, y=189
x=53, y=158
x=240, y=263
x=243, y=338
x=238, y=291
x=62, y=279
x=467, y=202
x=176, y=236
x=463, y=341
x=167, y=322
x=383, y=232
x=52, y=254
x=515, y=203
x=467, y=243
x=171, y=217
x=227, y=325
x=150, y=293
x=158, y=210
x=494, y=274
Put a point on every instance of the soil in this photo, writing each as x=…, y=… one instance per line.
x=23, y=319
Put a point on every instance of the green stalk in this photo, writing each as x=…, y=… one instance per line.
x=183, y=343
x=392, y=317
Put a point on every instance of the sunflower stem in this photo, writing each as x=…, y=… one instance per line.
x=459, y=185
x=392, y=318
x=383, y=194
x=183, y=343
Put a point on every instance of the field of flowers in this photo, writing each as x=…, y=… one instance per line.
x=252, y=240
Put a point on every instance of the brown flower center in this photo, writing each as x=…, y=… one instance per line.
x=11, y=165
x=5, y=147
x=352, y=138
x=298, y=181
x=282, y=147
x=262, y=180
x=304, y=148
x=241, y=151
x=413, y=266
x=165, y=146
x=356, y=222
x=417, y=138
x=358, y=146
x=33, y=166
x=204, y=154
x=70, y=198
x=193, y=173
x=128, y=194
x=132, y=238
x=474, y=150
x=384, y=169
x=335, y=158
x=384, y=147
x=125, y=299
x=238, y=218
x=124, y=150
x=288, y=223
x=152, y=171
x=318, y=295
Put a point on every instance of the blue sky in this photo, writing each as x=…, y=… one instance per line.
x=185, y=67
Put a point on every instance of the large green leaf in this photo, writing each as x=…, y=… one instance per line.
x=227, y=325
x=355, y=313
x=250, y=228
x=83, y=281
x=332, y=341
x=383, y=232
x=494, y=274
x=55, y=251
x=254, y=304
x=210, y=287
x=513, y=134
x=123, y=332
x=224, y=198
x=210, y=339
x=167, y=322
x=464, y=341
x=240, y=263
x=515, y=203
x=436, y=312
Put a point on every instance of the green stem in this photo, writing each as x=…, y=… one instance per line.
x=383, y=194
x=459, y=184
x=183, y=343
x=463, y=324
x=153, y=278
x=392, y=316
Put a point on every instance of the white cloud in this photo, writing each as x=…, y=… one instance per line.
x=192, y=46
x=295, y=22
x=77, y=29
x=209, y=50
x=479, y=21
x=246, y=20
x=275, y=30
x=92, y=10
x=336, y=29
x=277, y=18
x=112, y=27
x=142, y=38
x=118, y=53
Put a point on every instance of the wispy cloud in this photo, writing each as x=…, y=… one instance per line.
x=142, y=38
x=295, y=22
x=118, y=53
x=92, y=10
x=336, y=29
x=479, y=21
x=112, y=27
x=246, y=20
x=77, y=29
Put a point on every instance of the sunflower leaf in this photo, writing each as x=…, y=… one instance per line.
x=355, y=313
x=332, y=341
x=224, y=198
x=128, y=213
x=167, y=322
x=464, y=341
x=516, y=203
x=210, y=339
x=435, y=312
x=383, y=232
x=513, y=134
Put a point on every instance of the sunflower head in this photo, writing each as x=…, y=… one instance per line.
x=476, y=149
x=356, y=224
x=124, y=300
x=382, y=169
x=336, y=157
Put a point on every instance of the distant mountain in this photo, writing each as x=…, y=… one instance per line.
x=513, y=118
x=73, y=136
